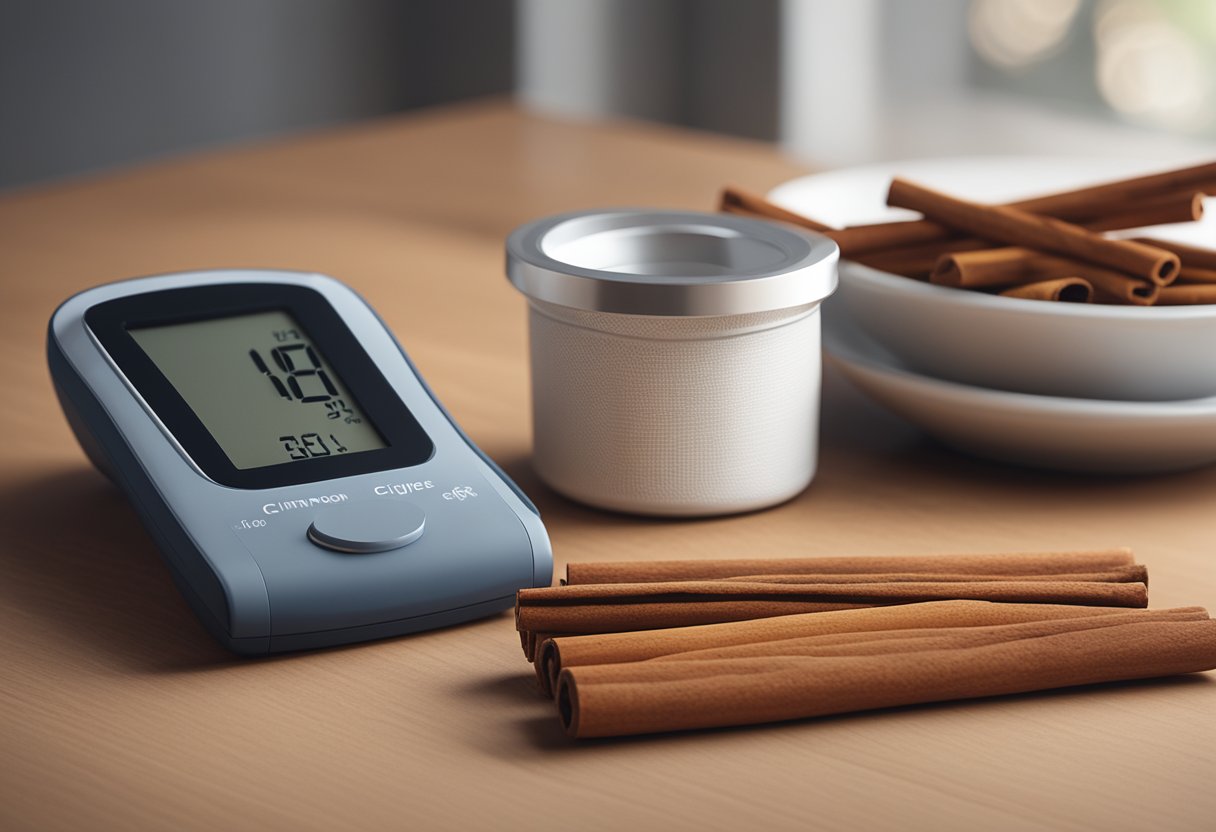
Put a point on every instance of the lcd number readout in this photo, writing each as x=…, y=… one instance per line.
x=261, y=387
x=297, y=374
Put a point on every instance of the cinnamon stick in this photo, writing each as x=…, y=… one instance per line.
x=929, y=638
x=1063, y=289
x=1079, y=205
x=859, y=241
x=917, y=261
x=1020, y=228
x=1012, y=266
x=1172, y=208
x=901, y=246
x=1188, y=274
x=1187, y=294
x=616, y=648
x=734, y=200
x=646, y=697
x=1094, y=200
x=531, y=641
x=604, y=608
x=1135, y=573
x=1004, y=563
x=1192, y=256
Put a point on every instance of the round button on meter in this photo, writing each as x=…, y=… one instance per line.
x=367, y=526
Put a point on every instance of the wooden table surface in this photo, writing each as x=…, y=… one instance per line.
x=118, y=711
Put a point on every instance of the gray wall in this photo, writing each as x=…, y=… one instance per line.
x=709, y=64
x=89, y=84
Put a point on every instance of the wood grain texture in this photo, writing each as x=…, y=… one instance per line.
x=117, y=711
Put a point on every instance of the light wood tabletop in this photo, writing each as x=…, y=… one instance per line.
x=118, y=711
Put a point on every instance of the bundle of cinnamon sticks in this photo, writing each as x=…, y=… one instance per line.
x=672, y=645
x=1048, y=248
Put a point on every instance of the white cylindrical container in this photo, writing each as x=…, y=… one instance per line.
x=675, y=357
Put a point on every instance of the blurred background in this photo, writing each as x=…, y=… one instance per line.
x=88, y=85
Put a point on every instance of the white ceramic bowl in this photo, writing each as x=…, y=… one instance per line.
x=1067, y=434
x=1056, y=349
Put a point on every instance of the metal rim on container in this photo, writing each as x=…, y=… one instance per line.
x=629, y=261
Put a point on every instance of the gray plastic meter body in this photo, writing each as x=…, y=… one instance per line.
x=302, y=482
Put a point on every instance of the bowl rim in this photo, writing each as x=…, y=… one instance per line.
x=852, y=270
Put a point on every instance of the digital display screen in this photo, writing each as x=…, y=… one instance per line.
x=261, y=387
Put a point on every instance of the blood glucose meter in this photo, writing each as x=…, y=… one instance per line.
x=301, y=480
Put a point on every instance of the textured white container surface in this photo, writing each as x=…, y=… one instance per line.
x=675, y=416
